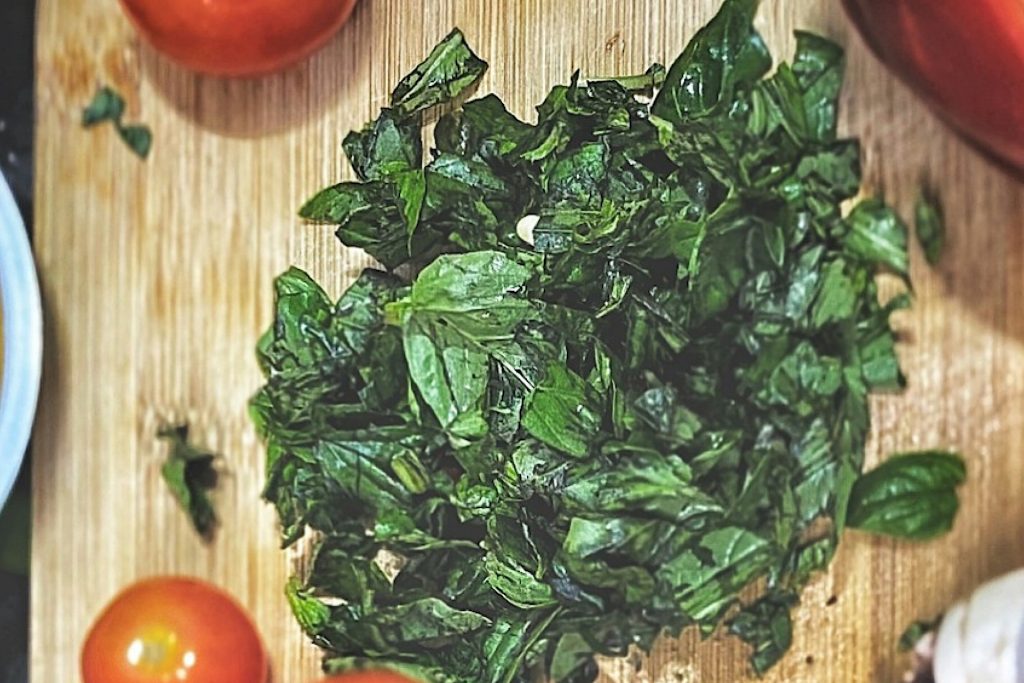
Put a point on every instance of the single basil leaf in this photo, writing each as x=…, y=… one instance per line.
x=138, y=138
x=450, y=374
x=513, y=643
x=588, y=537
x=385, y=147
x=930, y=226
x=718, y=265
x=561, y=412
x=880, y=366
x=837, y=295
x=877, y=235
x=312, y=614
x=469, y=199
x=361, y=465
x=483, y=291
x=412, y=193
x=483, y=129
x=646, y=82
x=458, y=306
x=819, y=66
x=379, y=216
x=189, y=474
x=426, y=619
x=573, y=660
x=518, y=586
x=650, y=486
x=106, y=105
x=449, y=70
x=341, y=203
x=725, y=56
x=910, y=496
x=779, y=105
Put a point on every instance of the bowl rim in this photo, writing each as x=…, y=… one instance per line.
x=22, y=341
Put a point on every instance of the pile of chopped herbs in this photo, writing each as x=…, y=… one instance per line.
x=615, y=375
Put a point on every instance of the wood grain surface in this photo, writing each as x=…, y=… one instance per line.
x=157, y=279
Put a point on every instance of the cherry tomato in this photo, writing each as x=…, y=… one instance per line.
x=966, y=57
x=173, y=630
x=237, y=37
x=369, y=677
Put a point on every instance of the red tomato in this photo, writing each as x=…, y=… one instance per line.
x=369, y=677
x=237, y=37
x=173, y=630
x=965, y=56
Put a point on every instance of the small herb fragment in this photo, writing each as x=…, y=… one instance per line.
x=910, y=496
x=930, y=226
x=609, y=424
x=767, y=627
x=107, y=105
x=915, y=631
x=190, y=475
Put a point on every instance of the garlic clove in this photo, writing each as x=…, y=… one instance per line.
x=981, y=640
x=992, y=630
x=949, y=659
x=525, y=227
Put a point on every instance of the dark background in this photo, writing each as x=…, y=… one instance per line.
x=17, y=32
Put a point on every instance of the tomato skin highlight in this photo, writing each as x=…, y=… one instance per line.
x=237, y=37
x=966, y=57
x=173, y=630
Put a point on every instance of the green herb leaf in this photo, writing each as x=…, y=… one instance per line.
x=138, y=138
x=377, y=216
x=818, y=67
x=915, y=632
x=311, y=614
x=460, y=306
x=909, y=496
x=387, y=146
x=876, y=234
x=446, y=73
x=107, y=105
x=930, y=226
x=189, y=474
x=724, y=57
x=561, y=412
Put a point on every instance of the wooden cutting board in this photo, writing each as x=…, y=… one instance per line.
x=157, y=279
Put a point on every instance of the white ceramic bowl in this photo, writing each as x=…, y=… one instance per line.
x=22, y=347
